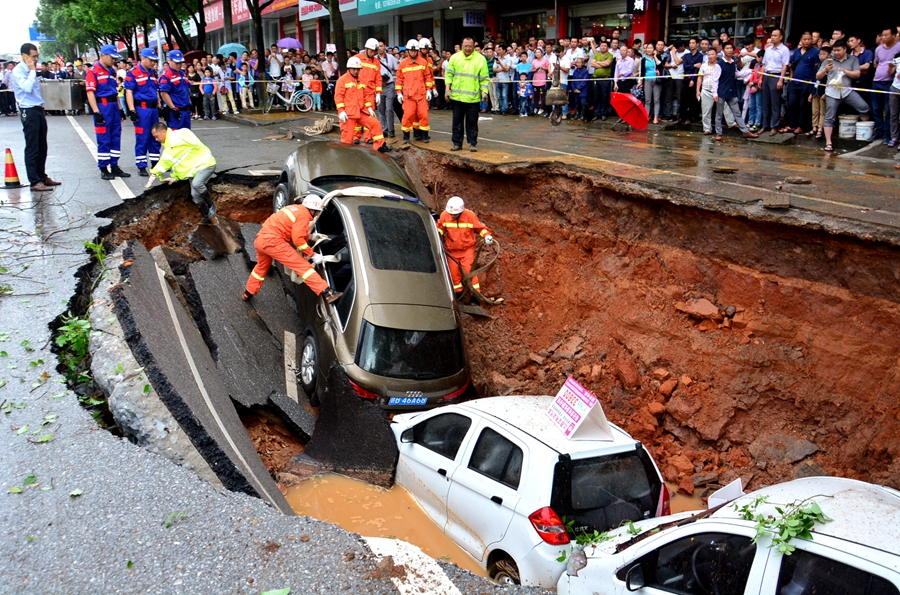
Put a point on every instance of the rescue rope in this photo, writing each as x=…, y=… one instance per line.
x=323, y=126
x=467, y=278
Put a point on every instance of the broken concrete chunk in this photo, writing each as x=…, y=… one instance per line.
x=730, y=311
x=809, y=469
x=702, y=479
x=781, y=448
x=700, y=308
x=220, y=239
x=797, y=180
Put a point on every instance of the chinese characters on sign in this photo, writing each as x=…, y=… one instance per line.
x=635, y=6
x=578, y=414
x=473, y=18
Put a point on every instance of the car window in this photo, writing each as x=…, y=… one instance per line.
x=803, y=572
x=442, y=433
x=397, y=239
x=498, y=458
x=701, y=564
x=340, y=273
x=414, y=355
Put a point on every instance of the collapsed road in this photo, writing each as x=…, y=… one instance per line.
x=726, y=358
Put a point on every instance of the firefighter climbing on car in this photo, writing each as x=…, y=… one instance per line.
x=460, y=229
x=354, y=111
x=415, y=86
x=273, y=242
x=370, y=77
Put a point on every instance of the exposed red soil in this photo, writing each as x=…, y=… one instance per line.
x=274, y=442
x=592, y=278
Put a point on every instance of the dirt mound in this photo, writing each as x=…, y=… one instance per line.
x=707, y=336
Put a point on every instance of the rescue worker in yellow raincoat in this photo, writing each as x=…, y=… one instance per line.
x=349, y=98
x=187, y=158
x=370, y=77
x=273, y=242
x=459, y=228
x=415, y=86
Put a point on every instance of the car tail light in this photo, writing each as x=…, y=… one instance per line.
x=549, y=526
x=458, y=391
x=663, y=508
x=361, y=392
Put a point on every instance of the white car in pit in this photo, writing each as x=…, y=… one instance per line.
x=857, y=552
x=499, y=478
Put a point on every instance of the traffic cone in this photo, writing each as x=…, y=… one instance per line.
x=12, y=176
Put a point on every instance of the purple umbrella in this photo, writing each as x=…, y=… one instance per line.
x=289, y=42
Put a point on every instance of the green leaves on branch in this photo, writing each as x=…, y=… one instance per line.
x=794, y=520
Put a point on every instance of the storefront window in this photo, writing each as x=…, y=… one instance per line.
x=711, y=20
x=605, y=24
x=520, y=27
x=379, y=32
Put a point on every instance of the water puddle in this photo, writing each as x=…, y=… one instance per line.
x=682, y=503
x=372, y=511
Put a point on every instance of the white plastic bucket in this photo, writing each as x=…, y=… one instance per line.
x=865, y=130
x=847, y=126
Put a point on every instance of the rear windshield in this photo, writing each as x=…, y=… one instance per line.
x=397, y=239
x=605, y=491
x=414, y=355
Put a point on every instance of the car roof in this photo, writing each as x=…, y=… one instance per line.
x=317, y=160
x=862, y=512
x=528, y=413
x=392, y=286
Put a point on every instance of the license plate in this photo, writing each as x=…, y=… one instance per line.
x=408, y=401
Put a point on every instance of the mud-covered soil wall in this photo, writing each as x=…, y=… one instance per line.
x=805, y=360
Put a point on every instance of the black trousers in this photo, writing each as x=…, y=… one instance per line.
x=7, y=101
x=465, y=113
x=34, y=124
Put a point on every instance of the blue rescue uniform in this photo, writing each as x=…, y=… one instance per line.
x=144, y=87
x=102, y=81
x=177, y=85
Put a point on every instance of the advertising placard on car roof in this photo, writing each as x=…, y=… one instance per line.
x=577, y=413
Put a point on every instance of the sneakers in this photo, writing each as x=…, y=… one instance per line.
x=456, y=147
x=236, y=112
x=331, y=296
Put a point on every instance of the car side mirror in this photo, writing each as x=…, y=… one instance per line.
x=407, y=436
x=634, y=578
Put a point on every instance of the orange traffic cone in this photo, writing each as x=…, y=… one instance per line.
x=12, y=176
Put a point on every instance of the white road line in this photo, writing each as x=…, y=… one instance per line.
x=264, y=172
x=290, y=378
x=258, y=485
x=674, y=173
x=424, y=576
x=118, y=185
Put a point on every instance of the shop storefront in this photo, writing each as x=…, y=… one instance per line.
x=519, y=27
x=601, y=18
x=735, y=18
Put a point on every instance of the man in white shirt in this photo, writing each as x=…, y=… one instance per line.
x=389, y=66
x=504, y=68
x=564, y=63
x=675, y=67
x=838, y=72
x=776, y=61
x=708, y=88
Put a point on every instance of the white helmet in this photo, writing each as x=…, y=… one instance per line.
x=424, y=43
x=455, y=205
x=412, y=44
x=371, y=44
x=312, y=202
x=354, y=62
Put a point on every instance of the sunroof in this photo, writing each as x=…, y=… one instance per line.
x=397, y=239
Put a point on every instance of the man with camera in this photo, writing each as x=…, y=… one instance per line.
x=388, y=92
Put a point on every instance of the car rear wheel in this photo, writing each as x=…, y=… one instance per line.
x=282, y=197
x=309, y=367
x=504, y=572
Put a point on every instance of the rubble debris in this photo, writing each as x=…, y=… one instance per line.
x=627, y=372
x=700, y=308
x=797, y=180
x=220, y=239
x=782, y=448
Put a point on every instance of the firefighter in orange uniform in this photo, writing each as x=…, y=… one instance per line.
x=370, y=77
x=349, y=98
x=415, y=85
x=273, y=243
x=458, y=227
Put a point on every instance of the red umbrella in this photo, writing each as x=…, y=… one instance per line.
x=189, y=56
x=630, y=110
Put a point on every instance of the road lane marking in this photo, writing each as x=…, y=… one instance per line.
x=291, y=368
x=424, y=575
x=117, y=183
x=200, y=385
x=264, y=172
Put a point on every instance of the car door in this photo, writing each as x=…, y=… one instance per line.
x=430, y=457
x=484, y=489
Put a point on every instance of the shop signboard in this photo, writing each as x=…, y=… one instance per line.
x=375, y=6
x=635, y=6
x=473, y=18
x=215, y=16
x=314, y=10
x=35, y=35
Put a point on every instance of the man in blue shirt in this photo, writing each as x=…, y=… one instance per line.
x=175, y=92
x=27, y=88
x=103, y=97
x=804, y=65
x=142, y=101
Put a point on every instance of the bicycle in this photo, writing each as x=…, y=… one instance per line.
x=300, y=98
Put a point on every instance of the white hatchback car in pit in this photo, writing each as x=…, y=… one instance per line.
x=499, y=478
x=855, y=553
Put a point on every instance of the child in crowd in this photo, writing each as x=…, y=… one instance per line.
x=525, y=94
x=753, y=94
x=578, y=85
x=226, y=94
x=817, y=99
x=287, y=88
x=307, y=79
x=245, y=84
x=208, y=88
x=315, y=86
x=120, y=88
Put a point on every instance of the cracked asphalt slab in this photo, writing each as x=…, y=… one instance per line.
x=101, y=514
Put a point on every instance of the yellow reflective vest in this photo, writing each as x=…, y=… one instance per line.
x=184, y=154
x=467, y=77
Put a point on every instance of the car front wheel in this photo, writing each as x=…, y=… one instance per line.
x=282, y=197
x=309, y=366
x=504, y=572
